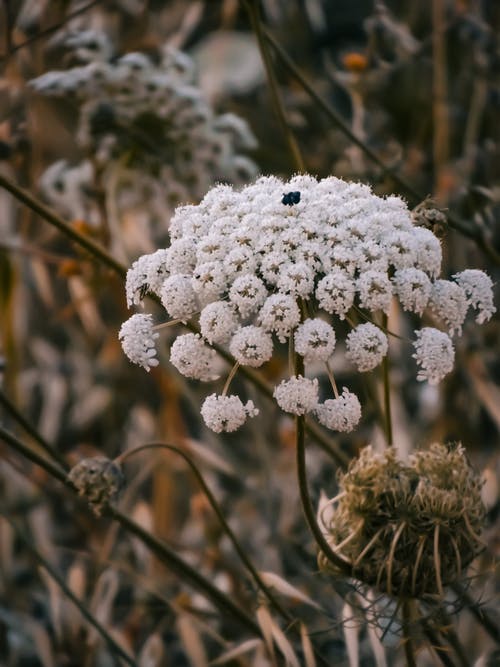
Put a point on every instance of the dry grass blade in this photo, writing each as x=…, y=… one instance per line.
x=191, y=640
x=237, y=651
x=307, y=647
x=266, y=625
x=152, y=654
x=350, y=627
x=279, y=584
x=284, y=646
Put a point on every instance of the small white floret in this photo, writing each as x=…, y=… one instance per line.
x=366, y=346
x=478, y=289
x=315, y=340
x=340, y=414
x=138, y=340
x=251, y=346
x=434, y=354
x=297, y=395
x=218, y=322
x=193, y=358
x=226, y=413
x=449, y=302
x=280, y=314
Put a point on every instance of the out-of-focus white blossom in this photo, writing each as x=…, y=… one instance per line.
x=298, y=395
x=366, y=346
x=340, y=414
x=478, y=289
x=434, y=354
x=138, y=340
x=226, y=413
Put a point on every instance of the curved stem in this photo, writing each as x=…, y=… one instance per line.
x=307, y=506
x=437, y=561
x=89, y=617
x=253, y=10
x=231, y=375
x=216, y=508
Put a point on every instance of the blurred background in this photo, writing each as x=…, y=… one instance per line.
x=113, y=113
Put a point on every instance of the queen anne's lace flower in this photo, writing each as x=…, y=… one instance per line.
x=138, y=340
x=478, y=289
x=335, y=292
x=340, y=414
x=449, y=301
x=366, y=346
x=375, y=291
x=297, y=395
x=251, y=346
x=193, y=358
x=247, y=293
x=280, y=314
x=146, y=275
x=218, y=322
x=253, y=262
x=315, y=340
x=226, y=413
x=178, y=297
x=413, y=288
x=434, y=354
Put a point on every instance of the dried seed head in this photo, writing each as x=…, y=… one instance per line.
x=407, y=529
x=98, y=479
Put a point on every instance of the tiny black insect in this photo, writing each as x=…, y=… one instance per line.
x=291, y=198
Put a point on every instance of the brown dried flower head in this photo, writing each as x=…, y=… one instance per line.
x=407, y=529
x=98, y=479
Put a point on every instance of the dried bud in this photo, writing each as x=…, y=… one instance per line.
x=407, y=529
x=98, y=479
x=427, y=215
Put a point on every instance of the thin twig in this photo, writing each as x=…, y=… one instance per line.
x=33, y=432
x=253, y=10
x=69, y=594
x=436, y=645
x=387, y=393
x=51, y=217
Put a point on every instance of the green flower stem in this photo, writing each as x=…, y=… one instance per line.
x=174, y=562
x=407, y=638
x=89, y=617
x=19, y=417
x=252, y=7
x=52, y=218
x=474, y=232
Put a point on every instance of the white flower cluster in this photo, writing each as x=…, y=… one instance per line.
x=150, y=115
x=253, y=262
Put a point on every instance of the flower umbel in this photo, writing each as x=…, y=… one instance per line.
x=252, y=271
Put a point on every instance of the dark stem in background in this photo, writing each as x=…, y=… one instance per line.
x=48, y=449
x=166, y=555
x=69, y=593
x=473, y=232
x=407, y=638
x=441, y=651
x=387, y=391
x=252, y=7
